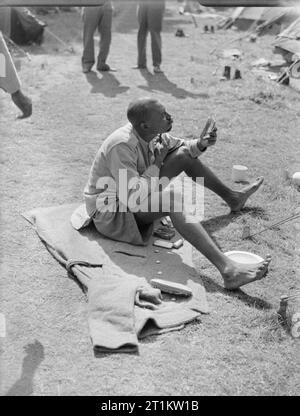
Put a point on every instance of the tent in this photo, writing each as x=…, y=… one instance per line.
x=21, y=26
x=263, y=19
x=25, y=27
x=275, y=19
x=287, y=42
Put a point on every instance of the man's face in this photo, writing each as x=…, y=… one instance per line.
x=159, y=121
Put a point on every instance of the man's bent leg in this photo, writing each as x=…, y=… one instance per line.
x=180, y=160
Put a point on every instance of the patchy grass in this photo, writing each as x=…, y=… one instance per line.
x=239, y=348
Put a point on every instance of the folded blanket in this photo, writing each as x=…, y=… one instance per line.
x=112, y=273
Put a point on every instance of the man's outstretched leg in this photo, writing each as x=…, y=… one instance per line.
x=234, y=274
x=180, y=160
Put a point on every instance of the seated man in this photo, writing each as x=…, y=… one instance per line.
x=142, y=152
x=9, y=81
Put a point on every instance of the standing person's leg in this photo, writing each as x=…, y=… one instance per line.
x=156, y=13
x=104, y=27
x=90, y=24
x=10, y=82
x=23, y=102
x=5, y=20
x=142, y=13
x=9, y=79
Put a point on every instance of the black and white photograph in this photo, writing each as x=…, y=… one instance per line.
x=150, y=201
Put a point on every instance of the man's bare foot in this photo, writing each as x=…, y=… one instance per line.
x=23, y=103
x=236, y=275
x=240, y=197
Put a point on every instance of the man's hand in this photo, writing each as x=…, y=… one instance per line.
x=161, y=151
x=208, y=140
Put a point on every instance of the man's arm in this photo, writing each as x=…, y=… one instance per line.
x=195, y=146
x=122, y=162
x=198, y=145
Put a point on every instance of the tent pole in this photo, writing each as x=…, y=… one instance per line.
x=17, y=47
x=69, y=48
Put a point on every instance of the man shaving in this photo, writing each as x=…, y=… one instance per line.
x=143, y=152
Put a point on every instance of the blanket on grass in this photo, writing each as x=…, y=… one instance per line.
x=112, y=273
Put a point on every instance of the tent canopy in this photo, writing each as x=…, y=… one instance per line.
x=289, y=39
x=49, y=3
x=271, y=19
x=21, y=25
x=248, y=3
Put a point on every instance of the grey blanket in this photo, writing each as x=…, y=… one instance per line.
x=119, y=271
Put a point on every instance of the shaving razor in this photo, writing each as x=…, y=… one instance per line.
x=209, y=127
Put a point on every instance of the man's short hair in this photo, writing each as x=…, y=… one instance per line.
x=138, y=110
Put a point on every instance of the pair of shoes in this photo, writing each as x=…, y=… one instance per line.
x=86, y=68
x=105, y=68
x=226, y=74
x=157, y=70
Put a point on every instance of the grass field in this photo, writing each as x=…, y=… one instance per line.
x=240, y=348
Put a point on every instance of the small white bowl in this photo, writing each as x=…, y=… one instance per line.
x=244, y=257
x=296, y=178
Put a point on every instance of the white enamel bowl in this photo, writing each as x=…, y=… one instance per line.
x=244, y=257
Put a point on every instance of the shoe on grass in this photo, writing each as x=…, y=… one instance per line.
x=157, y=70
x=105, y=68
x=140, y=67
x=86, y=68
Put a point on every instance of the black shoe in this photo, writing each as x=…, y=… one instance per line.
x=86, y=68
x=139, y=67
x=105, y=68
x=157, y=70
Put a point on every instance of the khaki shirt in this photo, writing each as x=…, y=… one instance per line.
x=122, y=150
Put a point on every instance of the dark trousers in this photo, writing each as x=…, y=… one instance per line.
x=100, y=18
x=150, y=18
